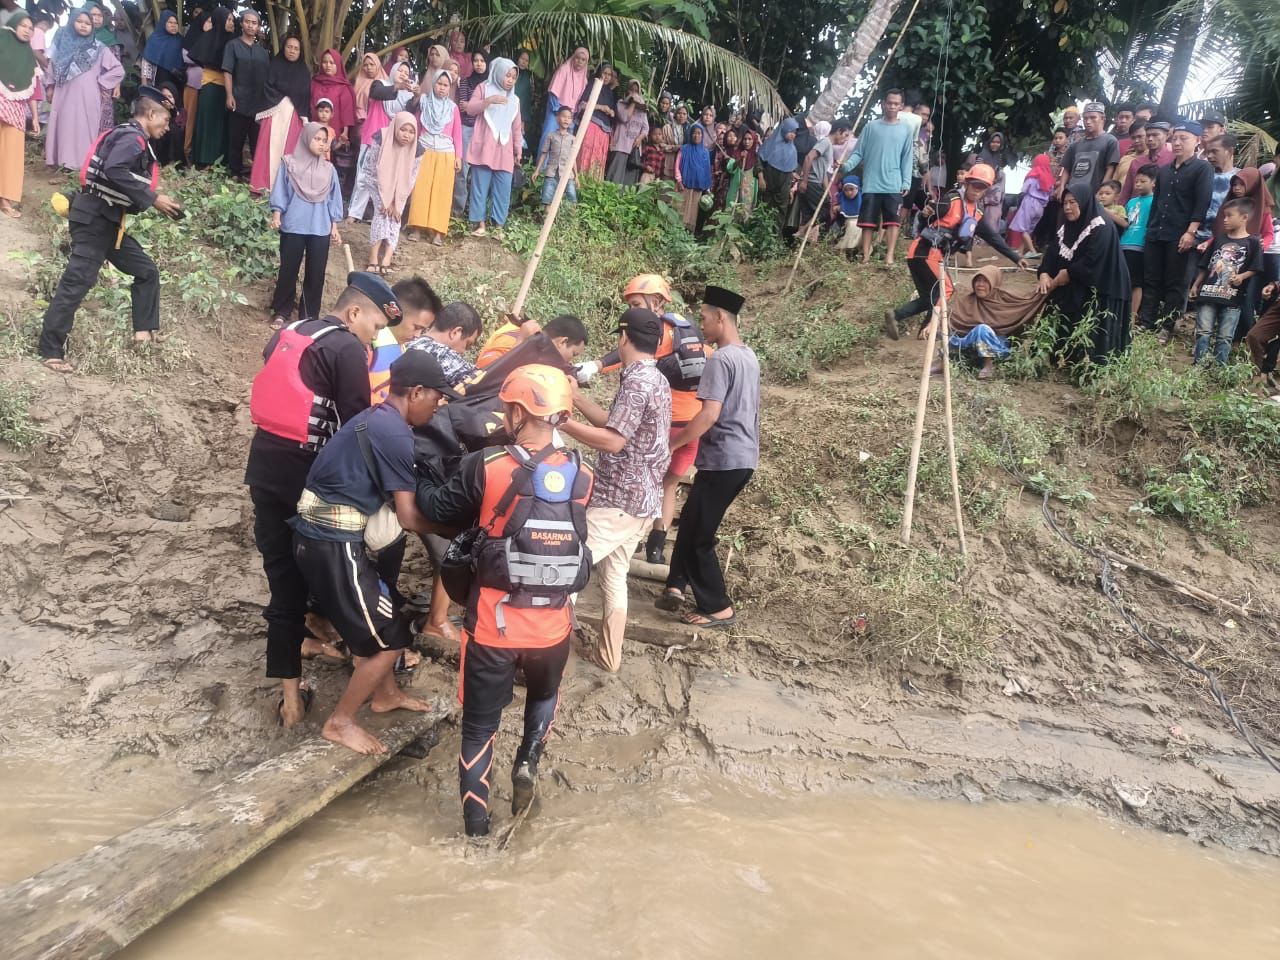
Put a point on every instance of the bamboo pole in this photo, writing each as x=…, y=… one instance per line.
x=835, y=167
x=946, y=408
x=346, y=252
x=554, y=207
x=913, y=464
x=91, y=906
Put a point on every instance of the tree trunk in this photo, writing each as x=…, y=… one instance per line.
x=853, y=59
x=1184, y=48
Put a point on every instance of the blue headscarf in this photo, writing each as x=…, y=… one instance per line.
x=851, y=208
x=164, y=49
x=73, y=54
x=778, y=152
x=695, y=162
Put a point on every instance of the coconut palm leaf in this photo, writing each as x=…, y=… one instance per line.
x=555, y=34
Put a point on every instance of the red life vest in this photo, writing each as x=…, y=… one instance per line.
x=282, y=404
x=94, y=181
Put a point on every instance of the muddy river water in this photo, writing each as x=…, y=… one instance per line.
x=674, y=871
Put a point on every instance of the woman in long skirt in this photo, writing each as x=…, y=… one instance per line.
x=388, y=171
x=288, y=90
x=693, y=175
x=209, y=145
x=594, y=153
x=19, y=80
x=82, y=70
x=441, y=138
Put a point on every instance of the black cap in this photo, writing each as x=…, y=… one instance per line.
x=379, y=291
x=726, y=300
x=153, y=94
x=1205, y=121
x=417, y=368
x=642, y=327
x=1159, y=124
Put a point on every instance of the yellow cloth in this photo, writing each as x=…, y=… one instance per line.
x=11, y=162
x=432, y=192
x=503, y=339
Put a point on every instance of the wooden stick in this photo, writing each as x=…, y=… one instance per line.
x=554, y=206
x=946, y=407
x=1180, y=586
x=835, y=167
x=96, y=903
x=914, y=463
x=351, y=264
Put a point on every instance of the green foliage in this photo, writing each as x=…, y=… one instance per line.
x=1049, y=345
x=16, y=427
x=1203, y=491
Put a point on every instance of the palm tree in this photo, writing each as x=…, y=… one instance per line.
x=853, y=59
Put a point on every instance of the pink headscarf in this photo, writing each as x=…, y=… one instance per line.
x=311, y=176
x=364, y=84
x=337, y=90
x=395, y=163
x=568, y=83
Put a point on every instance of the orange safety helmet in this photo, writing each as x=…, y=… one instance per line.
x=648, y=284
x=983, y=173
x=542, y=390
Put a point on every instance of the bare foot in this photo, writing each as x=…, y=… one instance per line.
x=322, y=628
x=7, y=208
x=352, y=736
x=400, y=701
x=411, y=658
x=312, y=648
x=441, y=631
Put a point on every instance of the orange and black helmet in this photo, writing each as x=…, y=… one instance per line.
x=648, y=284
x=982, y=173
x=542, y=390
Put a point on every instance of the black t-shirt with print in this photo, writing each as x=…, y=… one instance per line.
x=1225, y=258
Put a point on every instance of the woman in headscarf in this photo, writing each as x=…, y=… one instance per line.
x=371, y=72
x=104, y=34
x=288, y=99
x=399, y=55
x=168, y=149
x=495, y=146
x=811, y=188
x=331, y=83
x=629, y=133
x=693, y=175
x=594, y=152
x=997, y=157
x=748, y=161
x=162, y=55
x=848, y=206
x=386, y=98
x=778, y=160
x=1037, y=188
x=676, y=132
x=565, y=89
x=1084, y=273
x=387, y=171
x=440, y=136
x=210, y=141
x=459, y=52
x=194, y=76
x=725, y=171
x=18, y=81
x=83, y=71
x=306, y=205
x=983, y=320
x=462, y=94
x=524, y=90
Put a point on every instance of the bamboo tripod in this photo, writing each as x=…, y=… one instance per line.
x=554, y=207
x=940, y=324
x=835, y=167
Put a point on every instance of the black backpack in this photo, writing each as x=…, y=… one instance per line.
x=683, y=366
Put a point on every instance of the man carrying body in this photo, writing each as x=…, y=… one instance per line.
x=419, y=306
x=120, y=178
x=367, y=464
x=632, y=439
x=1092, y=159
x=887, y=156
x=729, y=427
x=316, y=378
x=530, y=500
x=244, y=65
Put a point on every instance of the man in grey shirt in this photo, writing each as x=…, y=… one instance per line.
x=728, y=427
x=244, y=66
x=1093, y=158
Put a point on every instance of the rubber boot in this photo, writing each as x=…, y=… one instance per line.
x=654, y=546
x=476, y=828
x=524, y=776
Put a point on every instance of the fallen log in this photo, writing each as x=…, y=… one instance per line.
x=645, y=570
x=92, y=905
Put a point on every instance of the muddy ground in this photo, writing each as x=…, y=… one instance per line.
x=130, y=627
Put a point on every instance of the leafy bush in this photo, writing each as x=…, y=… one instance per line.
x=16, y=427
x=1203, y=491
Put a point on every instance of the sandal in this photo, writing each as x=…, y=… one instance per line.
x=307, y=695
x=694, y=619
x=277, y=322
x=670, y=600
x=370, y=268
x=59, y=365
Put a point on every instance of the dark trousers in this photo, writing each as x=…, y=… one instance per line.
x=488, y=676
x=92, y=244
x=1263, y=338
x=1164, y=283
x=294, y=248
x=694, y=562
x=927, y=288
x=240, y=130
x=286, y=610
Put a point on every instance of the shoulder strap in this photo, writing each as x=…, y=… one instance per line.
x=520, y=480
x=366, y=450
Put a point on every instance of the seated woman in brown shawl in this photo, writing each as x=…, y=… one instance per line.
x=983, y=320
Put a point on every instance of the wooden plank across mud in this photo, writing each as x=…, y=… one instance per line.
x=92, y=905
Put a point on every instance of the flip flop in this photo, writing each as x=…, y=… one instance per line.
x=695, y=619
x=307, y=695
x=59, y=365
x=670, y=600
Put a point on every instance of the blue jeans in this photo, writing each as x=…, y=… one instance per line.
x=1219, y=319
x=491, y=189
x=549, y=190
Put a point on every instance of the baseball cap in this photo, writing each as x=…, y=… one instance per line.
x=1093, y=106
x=379, y=291
x=642, y=323
x=417, y=368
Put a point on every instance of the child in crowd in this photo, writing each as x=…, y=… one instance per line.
x=1234, y=257
x=848, y=206
x=554, y=160
x=1138, y=214
x=1109, y=200
x=387, y=172
x=306, y=205
x=1037, y=189
x=323, y=111
x=652, y=155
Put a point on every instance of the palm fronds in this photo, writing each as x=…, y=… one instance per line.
x=634, y=42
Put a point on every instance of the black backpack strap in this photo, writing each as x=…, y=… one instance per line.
x=366, y=449
x=520, y=481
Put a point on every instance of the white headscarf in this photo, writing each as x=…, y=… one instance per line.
x=500, y=116
x=821, y=129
